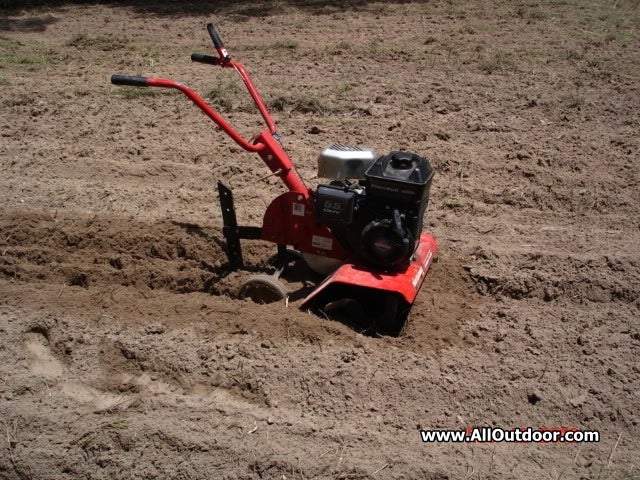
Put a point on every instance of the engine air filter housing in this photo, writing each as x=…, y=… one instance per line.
x=342, y=162
x=401, y=176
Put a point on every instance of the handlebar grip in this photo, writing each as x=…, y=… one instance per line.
x=202, y=58
x=215, y=38
x=128, y=80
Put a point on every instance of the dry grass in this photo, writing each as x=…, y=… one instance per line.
x=105, y=43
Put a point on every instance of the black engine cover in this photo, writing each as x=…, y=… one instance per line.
x=401, y=177
x=381, y=219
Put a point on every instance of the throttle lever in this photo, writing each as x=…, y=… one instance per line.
x=217, y=42
x=202, y=58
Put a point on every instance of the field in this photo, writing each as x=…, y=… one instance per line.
x=123, y=351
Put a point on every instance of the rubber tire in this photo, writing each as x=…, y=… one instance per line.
x=262, y=289
x=392, y=316
x=292, y=256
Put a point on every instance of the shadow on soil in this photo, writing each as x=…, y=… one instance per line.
x=29, y=24
x=228, y=7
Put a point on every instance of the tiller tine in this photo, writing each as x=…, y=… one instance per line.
x=359, y=295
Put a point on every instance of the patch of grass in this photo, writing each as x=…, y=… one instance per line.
x=583, y=33
x=105, y=43
x=497, y=62
x=309, y=104
x=452, y=50
x=278, y=103
x=531, y=52
x=301, y=102
x=19, y=101
x=603, y=67
x=621, y=37
x=570, y=55
x=529, y=13
x=3, y=81
x=116, y=425
x=225, y=96
x=284, y=44
x=468, y=29
x=459, y=205
x=9, y=44
x=573, y=100
x=377, y=46
x=340, y=47
x=342, y=87
x=27, y=62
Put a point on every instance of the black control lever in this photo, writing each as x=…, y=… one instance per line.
x=129, y=80
x=215, y=38
x=217, y=42
x=202, y=58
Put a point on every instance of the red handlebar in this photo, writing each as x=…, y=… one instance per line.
x=266, y=146
x=210, y=112
x=204, y=106
x=255, y=95
x=265, y=143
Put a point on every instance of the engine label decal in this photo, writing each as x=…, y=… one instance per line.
x=324, y=243
x=298, y=209
x=417, y=277
x=422, y=271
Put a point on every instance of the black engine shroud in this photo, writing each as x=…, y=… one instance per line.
x=380, y=218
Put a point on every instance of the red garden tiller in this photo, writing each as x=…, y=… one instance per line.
x=363, y=229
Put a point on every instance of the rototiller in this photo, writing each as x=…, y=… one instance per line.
x=362, y=230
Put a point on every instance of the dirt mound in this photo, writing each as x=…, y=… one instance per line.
x=550, y=277
x=108, y=256
x=83, y=251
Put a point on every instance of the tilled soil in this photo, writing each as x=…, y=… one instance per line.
x=125, y=351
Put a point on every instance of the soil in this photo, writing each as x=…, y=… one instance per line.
x=124, y=350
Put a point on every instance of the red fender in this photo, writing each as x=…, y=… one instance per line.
x=405, y=282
